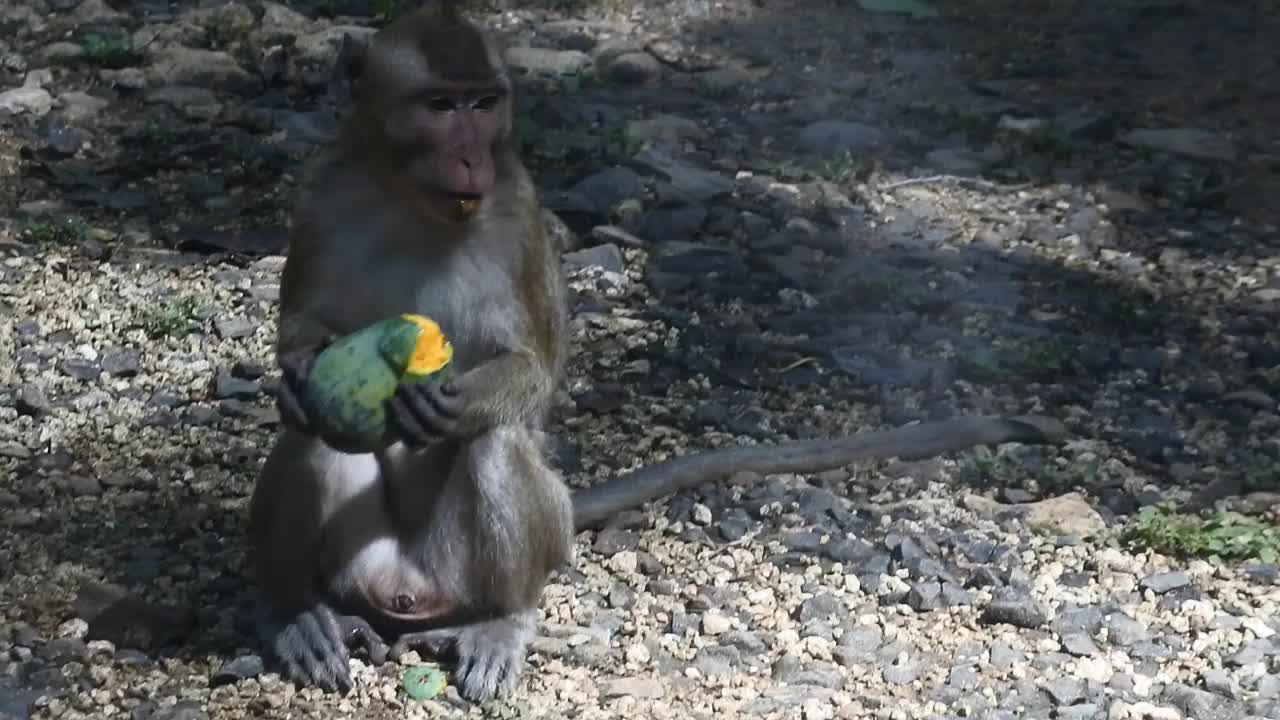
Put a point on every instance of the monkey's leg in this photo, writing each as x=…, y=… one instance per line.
x=314, y=511
x=513, y=517
x=490, y=655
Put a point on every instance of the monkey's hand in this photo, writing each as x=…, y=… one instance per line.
x=295, y=368
x=512, y=388
x=314, y=646
x=425, y=412
x=490, y=655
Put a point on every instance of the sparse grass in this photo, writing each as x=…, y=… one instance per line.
x=155, y=133
x=842, y=168
x=839, y=169
x=1054, y=142
x=716, y=91
x=1223, y=536
x=1263, y=476
x=223, y=32
x=550, y=146
x=110, y=52
x=1041, y=359
x=389, y=9
x=167, y=317
x=573, y=7
x=65, y=231
x=1003, y=471
x=876, y=292
x=615, y=142
x=247, y=163
x=987, y=470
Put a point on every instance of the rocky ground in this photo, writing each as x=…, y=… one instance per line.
x=782, y=220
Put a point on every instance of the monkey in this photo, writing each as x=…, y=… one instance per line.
x=442, y=539
x=445, y=537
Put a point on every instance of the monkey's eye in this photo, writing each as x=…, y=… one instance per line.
x=486, y=103
x=441, y=103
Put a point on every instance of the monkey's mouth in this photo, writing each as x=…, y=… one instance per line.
x=464, y=205
x=464, y=197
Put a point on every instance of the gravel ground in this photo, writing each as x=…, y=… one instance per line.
x=781, y=221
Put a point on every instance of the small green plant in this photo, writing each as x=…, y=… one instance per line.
x=1004, y=471
x=717, y=90
x=615, y=142
x=222, y=31
x=1224, y=535
x=1054, y=141
x=876, y=292
x=838, y=169
x=388, y=9
x=66, y=231
x=991, y=470
x=110, y=52
x=1042, y=358
x=841, y=168
x=167, y=318
x=1046, y=358
x=1262, y=477
x=783, y=169
x=154, y=133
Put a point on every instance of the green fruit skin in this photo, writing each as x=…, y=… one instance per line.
x=353, y=378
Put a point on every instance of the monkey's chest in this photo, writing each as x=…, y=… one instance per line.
x=473, y=305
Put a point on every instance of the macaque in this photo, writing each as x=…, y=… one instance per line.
x=443, y=540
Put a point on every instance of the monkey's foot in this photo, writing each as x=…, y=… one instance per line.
x=314, y=646
x=490, y=654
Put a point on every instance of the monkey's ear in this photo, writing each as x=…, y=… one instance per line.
x=344, y=81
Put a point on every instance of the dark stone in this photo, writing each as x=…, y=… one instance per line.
x=1014, y=608
x=240, y=668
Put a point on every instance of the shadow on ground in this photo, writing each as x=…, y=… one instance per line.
x=1129, y=344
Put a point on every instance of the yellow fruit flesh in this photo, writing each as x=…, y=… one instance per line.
x=433, y=350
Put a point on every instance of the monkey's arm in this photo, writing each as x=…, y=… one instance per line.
x=309, y=315
x=915, y=442
x=514, y=386
x=309, y=320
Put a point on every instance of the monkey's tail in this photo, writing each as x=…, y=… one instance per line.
x=915, y=442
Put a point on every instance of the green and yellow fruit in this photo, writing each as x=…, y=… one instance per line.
x=352, y=379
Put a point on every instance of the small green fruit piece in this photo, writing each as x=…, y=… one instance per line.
x=423, y=682
x=352, y=379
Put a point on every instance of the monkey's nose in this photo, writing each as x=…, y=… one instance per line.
x=403, y=602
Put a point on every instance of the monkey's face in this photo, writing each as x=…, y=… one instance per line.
x=434, y=101
x=445, y=138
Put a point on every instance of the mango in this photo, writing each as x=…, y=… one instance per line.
x=352, y=379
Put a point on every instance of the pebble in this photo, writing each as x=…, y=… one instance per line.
x=1124, y=631
x=1064, y=691
x=635, y=687
x=1164, y=582
x=847, y=593
x=1078, y=643
x=716, y=624
x=611, y=541
x=1014, y=609
x=239, y=668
